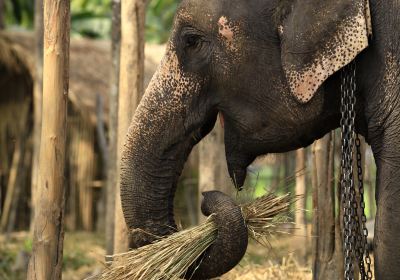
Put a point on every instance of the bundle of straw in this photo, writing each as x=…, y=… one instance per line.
x=171, y=257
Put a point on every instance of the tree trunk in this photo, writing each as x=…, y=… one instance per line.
x=37, y=102
x=327, y=257
x=130, y=91
x=300, y=219
x=213, y=171
x=113, y=126
x=46, y=259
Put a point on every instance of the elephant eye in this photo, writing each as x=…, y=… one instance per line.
x=195, y=47
x=192, y=41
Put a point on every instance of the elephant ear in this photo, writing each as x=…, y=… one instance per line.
x=318, y=37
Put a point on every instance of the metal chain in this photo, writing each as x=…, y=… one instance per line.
x=355, y=232
x=347, y=123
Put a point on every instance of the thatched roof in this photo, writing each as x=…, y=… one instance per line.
x=90, y=66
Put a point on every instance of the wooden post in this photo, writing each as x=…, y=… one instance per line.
x=37, y=102
x=85, y=160
x=327, y=255
x=300, y=219
x=212, y=165
x=131, y=81
x=112, y=173
x=46, y=259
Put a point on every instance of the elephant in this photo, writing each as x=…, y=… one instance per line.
x=271, y=69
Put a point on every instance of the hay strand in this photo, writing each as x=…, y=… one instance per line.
x=171, y=257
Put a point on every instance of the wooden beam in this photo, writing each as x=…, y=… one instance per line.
x=46, y=259
x=327, y=251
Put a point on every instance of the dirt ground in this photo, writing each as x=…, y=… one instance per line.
x=84, y=256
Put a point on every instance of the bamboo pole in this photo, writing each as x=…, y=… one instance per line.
x=84, y=173
x=112, y=173
x=130, y=91
x=300, y=217
x=46, y=259
x=327, y=253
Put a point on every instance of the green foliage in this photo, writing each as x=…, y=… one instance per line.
x=159, y=19
x=9, y=252
x=7, y=258
x=19, y=13
x=76, y=259
x=27, y=245
x=92, y=18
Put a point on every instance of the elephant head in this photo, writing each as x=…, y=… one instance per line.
x=259, y=64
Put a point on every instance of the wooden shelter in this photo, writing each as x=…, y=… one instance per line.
x=90, y=65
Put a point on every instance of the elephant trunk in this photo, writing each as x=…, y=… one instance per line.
x=156, y=147
x=167, y=124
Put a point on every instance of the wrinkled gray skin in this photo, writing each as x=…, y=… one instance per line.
x=246, y=60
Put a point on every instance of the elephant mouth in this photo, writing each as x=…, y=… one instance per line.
x=237, y=154
x=237, y=168
x=206, y=127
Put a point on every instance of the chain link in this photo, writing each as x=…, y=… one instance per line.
x=346, y=166
x=355, y=232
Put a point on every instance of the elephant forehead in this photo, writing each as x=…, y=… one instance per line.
x=225, y=30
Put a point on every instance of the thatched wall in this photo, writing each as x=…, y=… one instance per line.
x=90, y=65
x=15, y=128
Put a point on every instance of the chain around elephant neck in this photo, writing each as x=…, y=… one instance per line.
x=355, y=232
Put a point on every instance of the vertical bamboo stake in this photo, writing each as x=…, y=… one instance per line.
x=301, y=202
x=315, y=225
x=46, y=259
x=327, y=257
x=130, y=91
x=112, y=173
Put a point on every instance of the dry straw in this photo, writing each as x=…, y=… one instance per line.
x=170, y=257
